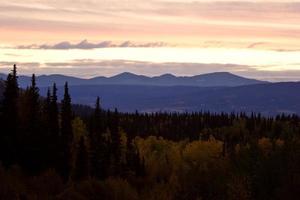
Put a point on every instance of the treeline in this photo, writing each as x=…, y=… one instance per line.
x=40, y=133
x=49, y=152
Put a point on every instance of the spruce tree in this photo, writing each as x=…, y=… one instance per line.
x=115, y=147
x=33, y=104
x=53, y=134
x=9, y=132
x=97, y=108
x=46, y=111
x=53, y=112
x=31, y=137
x=47, y=137
x=66, y=136
x=99, y=152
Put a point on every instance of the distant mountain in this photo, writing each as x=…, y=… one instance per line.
x=268, y=99
x=205, y=80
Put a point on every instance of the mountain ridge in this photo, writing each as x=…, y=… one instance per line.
x=266, y=98
x=215, y=79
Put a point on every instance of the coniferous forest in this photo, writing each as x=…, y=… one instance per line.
x=52, y=149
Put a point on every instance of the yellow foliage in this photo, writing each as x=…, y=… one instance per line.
x=265, y=145
x=167, y=161
x=202, y=152
x=79, y=129
x=123, y=147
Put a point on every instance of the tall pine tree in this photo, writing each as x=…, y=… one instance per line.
x=66, y=136
x=115, y=147
x=34, y=106
x=53, y=112
x=9, y=133
x=31, y=137
x=52, y=140
x=99, y=145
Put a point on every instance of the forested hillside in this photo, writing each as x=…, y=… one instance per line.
x=49, y=152
x=268, y=99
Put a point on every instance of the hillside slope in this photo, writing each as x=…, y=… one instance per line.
x=268, y=99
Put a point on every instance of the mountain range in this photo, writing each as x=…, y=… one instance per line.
x=126, y=78
x=215, y=92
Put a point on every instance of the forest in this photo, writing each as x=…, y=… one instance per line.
x=51, y=149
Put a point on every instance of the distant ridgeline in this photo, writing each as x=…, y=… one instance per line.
x=215, y=92
x=47, y=151
x=205, y=80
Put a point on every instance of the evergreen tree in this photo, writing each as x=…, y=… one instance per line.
x=66, y=136
x=31, y=137
x=97, y=108
x=53, y=112
x=34, y=106
x=54, y=128
x=115, y=147
x=9, y=133
x=99, y=145
x=47, y=137
x=52, y=138
x=98, y=122
x=46, y=111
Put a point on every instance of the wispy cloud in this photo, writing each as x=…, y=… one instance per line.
x=88, y=45
x=8, y=64
x=255, y=44
x=268, y=30
x=87, y=68
x=182, y=21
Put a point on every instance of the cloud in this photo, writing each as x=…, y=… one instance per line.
x=88, y=68
x=255, y=44
x=183, y=21
x=13, y=54
x=88, y=45
x=287, y=50
x=9, y=64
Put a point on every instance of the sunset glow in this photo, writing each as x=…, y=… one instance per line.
x=255, y=38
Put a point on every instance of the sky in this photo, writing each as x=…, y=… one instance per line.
x=87, y=38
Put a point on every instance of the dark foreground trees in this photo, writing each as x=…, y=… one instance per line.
x=9, y=118
x=48, y=152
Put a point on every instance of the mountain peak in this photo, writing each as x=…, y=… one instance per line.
x=217, y=74
x=168, y=75
x=223, y=73
x=128, y=78
x=124, y=75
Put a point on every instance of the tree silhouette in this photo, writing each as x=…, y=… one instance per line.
x=115, y=147
x=66, y=136
x=53, y=111
x=99, y=145
x=31, y=146
x=9, y=133
x=52, y=139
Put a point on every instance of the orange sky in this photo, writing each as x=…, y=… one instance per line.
x=260, y=25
